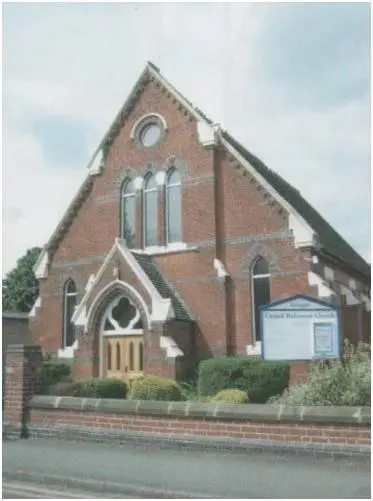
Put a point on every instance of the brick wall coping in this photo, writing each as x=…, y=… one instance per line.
x=18, y=348
x=210, y=411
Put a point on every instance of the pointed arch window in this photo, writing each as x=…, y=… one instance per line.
x=173, y=207
x=150, y=211
x=260, y=293
x=128, y=212
x=69, y=305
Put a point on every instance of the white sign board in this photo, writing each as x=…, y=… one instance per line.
x=300, y=328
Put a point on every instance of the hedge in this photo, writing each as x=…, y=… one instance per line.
x=155, y=388
x=51, y=373
x=99, y=388
x=260, y=379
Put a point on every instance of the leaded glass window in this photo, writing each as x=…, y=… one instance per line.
x=260, y=293
x=173, y=207
x=150, y=212
x=128, y=213
x=69, y=305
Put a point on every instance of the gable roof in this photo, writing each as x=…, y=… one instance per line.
x=94, y=165
x=166, y=303
x=330, y=241
x=161, y=306
x=152, y=270
x=150, y=72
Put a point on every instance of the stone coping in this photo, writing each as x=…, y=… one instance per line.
x=209, y=411
x=20, y=348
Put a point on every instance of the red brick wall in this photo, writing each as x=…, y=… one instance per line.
x=95, y=226
x=356, y=323
x=46, y=326
x=298, y=372
x=19, y=385
x=304, y=433
x=247, y=211
x=98, y=224
x=342, y=276
x=219, y=204
x=21, y=414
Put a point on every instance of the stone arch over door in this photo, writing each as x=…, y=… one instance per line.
x=100, y=330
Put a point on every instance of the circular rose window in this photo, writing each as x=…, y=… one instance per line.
x=150, y=135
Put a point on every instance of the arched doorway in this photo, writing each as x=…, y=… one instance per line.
x=122, y=341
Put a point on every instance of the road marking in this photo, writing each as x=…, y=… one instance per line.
x=42, y=492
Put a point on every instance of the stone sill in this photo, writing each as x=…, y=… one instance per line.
x=169, y=249
x=233, y=412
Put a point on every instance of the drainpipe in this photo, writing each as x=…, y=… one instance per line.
x=228, y=290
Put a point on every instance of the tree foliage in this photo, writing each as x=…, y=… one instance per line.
x=20, y=287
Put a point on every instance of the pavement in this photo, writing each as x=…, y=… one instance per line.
x=148, y=471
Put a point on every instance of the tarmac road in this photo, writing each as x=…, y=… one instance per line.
x=22, y=490
x=135, y=470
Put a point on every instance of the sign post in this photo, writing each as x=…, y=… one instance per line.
x=300, y=328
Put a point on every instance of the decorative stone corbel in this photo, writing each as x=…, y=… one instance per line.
x=206, y=133
x=220, y=269
x=41, y=265
x=96, y=164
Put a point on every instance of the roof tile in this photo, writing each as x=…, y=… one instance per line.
x=152, y=270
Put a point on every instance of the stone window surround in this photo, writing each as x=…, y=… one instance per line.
x=67, y=351
x=144, y=121
x=254, y=252
x=256, y=347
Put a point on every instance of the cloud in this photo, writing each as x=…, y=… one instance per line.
x=310, y=59
x=290, y=81
x=40, y=193
x=64, y=139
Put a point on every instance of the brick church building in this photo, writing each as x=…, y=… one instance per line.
x=175, y=238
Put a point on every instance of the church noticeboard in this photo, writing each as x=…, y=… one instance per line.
x=300, y=328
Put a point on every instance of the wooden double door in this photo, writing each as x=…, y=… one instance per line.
x=123, y=357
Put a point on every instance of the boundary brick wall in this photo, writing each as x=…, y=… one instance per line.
x=344, y=426
x=343, y=430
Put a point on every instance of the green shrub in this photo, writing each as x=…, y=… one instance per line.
x=265, y=380
x=217, y=374
x=155, y=388
x=188, y=391
x=54, y=372
x=336, y=382
x=99, y=388
x=260, y=379
x=62, y=389
x=231, y=397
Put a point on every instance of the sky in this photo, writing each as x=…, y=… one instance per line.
x=289, y=81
